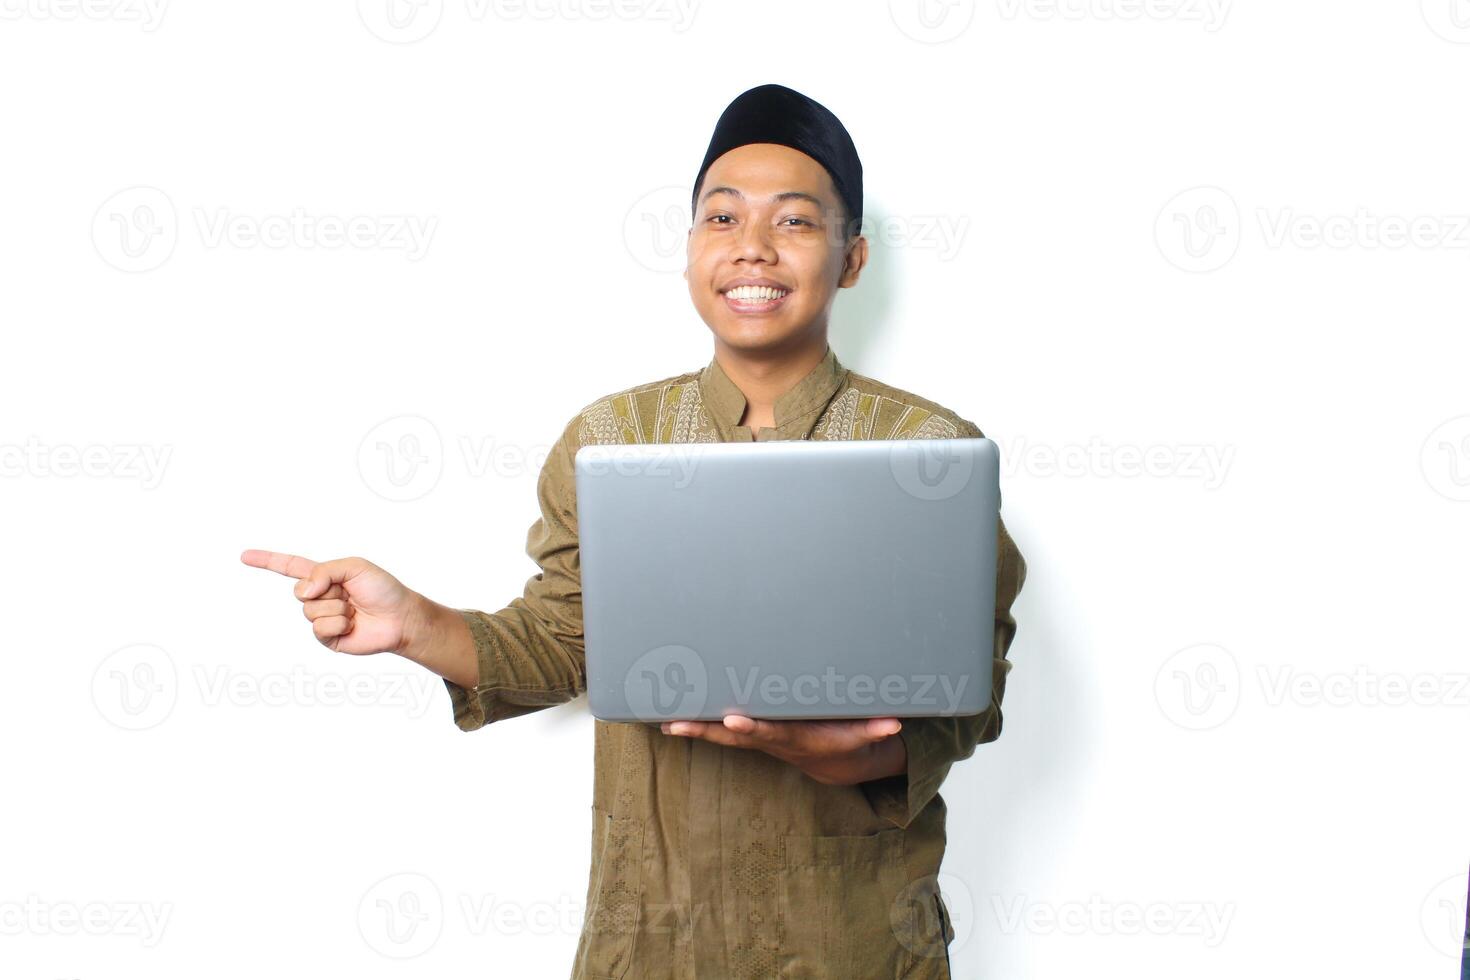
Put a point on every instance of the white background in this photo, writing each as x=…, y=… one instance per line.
x=1235, y=730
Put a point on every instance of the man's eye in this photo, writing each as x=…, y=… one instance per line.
x=717, y=217
x=800, y=221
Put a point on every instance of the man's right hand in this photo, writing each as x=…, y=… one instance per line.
x=353, y=605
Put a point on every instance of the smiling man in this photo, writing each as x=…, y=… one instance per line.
x=744, y=849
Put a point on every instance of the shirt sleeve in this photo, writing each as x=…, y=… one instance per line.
x=935, y=744
x=531, y=653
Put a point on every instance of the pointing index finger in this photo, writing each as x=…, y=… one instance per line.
x=292, y=566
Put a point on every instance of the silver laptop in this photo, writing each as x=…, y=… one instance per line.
x=788, y=579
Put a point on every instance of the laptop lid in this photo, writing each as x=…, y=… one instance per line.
x=788, y=579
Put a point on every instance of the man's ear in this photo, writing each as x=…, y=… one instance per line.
x=855, y=260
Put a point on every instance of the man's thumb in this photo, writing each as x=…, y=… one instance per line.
x=309, y=587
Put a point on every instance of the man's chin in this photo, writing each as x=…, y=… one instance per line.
x=753, y=336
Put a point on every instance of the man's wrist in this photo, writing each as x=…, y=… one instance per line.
x=419, y=626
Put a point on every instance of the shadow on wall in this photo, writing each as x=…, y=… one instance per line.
x=1026, y=782
x=860, y=314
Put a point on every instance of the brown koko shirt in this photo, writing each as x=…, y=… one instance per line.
x=722, y=863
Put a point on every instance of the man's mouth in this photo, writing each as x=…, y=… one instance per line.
x=755, y=299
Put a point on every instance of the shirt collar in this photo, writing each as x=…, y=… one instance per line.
x=725, y=402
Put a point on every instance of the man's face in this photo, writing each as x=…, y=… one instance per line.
x=768, y=212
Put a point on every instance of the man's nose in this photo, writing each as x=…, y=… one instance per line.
x=754, y=241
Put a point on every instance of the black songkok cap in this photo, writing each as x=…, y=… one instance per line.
x=777, y=114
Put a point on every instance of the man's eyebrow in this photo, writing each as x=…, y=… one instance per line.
x=778, y=198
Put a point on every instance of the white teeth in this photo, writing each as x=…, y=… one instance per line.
x=755, y=293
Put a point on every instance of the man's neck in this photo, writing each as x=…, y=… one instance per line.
x=765, y=376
